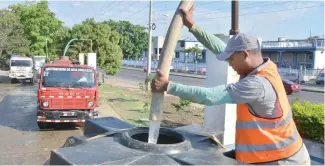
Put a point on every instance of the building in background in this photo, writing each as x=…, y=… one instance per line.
x=294, y=54
x=182, y=57
x=157, y=44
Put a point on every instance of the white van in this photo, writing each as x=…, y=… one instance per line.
x=21, y=68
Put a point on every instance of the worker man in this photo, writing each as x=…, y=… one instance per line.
x=265, y=130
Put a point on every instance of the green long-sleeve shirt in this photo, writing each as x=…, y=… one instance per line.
x=201, y=95
x=210, y=41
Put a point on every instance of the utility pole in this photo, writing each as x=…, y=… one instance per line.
x=46, y=49
x=234, y=17
x=150, y=41
x=149, y=47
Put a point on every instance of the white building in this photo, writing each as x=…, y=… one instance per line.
x=157, y=44
x=180, y=56
x=295, y=53
x=285, y=53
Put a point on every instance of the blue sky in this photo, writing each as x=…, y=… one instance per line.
x=267, y=19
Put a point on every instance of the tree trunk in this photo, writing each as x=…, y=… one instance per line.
x=173, y=35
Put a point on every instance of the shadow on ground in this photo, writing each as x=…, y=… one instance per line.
x=138, y=122
x=136, y=110
x=170, y=124
x=122, y=100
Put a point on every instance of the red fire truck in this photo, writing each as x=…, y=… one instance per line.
x=67, y=93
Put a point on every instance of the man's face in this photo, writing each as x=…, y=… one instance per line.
x=238, y=61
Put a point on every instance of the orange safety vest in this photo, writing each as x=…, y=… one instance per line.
x=264, y=140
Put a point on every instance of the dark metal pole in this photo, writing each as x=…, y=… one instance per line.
x=234, y=17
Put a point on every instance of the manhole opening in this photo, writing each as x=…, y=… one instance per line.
x=162, y=139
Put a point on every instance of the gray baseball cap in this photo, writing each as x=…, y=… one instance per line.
x=239, y=42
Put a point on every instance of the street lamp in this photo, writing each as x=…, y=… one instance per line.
x=67, y=46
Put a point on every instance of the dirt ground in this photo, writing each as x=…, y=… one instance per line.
x=129, y=102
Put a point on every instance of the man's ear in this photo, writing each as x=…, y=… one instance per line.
x=246, y=54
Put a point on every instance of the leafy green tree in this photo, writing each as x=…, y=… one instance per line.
x=197, y=52
x=133, y=40
x=57, y=42
x=105, y=43
x=39, y=24
x=12, y=38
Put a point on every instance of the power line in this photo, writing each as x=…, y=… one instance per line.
x=245, y=8
x=271, y=11
x=169, y=8
x=102, y=9
x=203, y=4
x=146, y=8
x=257, y=13
x=119, y=10
x=80, y=17
x=142, y=9
x=218, y=10
x=115, y=6
x=195, y=5
x=139, y=11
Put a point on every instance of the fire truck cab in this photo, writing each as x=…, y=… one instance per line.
x=67, y=93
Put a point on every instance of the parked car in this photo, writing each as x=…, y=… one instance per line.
x=291, y=87
x=320, y=78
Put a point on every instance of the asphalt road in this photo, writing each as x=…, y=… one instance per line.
x=21, y=141
x=135, y=77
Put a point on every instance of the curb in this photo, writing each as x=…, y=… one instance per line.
x=317, y=159
x=203, y=77
x=311, y=90
x=171, y=73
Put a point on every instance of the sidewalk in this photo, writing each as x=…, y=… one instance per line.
x=316, y=151
x=309, y=88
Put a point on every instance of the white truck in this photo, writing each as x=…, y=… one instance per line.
x=38, y=61
x=21, y=68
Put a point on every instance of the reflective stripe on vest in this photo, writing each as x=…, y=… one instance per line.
x=261, y=124
x=260, y=140
x=278, y=145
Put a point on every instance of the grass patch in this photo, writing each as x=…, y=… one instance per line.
x=129, y=105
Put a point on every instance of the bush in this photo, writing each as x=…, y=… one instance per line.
x=182, y=104
x=309, y=119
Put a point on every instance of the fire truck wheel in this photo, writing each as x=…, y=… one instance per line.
x=42, y=125
x=13, y=80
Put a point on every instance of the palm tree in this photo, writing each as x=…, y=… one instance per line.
x=197, y=52
x=186, y=51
